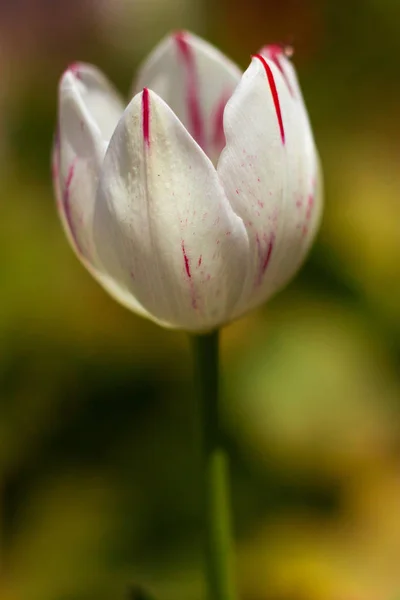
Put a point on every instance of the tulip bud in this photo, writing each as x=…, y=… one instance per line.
x=201, y=198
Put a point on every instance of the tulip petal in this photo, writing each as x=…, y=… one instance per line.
x=89, y=110
x=195, y=80
x=269, y=170
x=164, y=229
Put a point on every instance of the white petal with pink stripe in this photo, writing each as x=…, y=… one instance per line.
x=269, y=169
x=174, y=241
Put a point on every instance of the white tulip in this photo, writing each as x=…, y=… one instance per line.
x=198, y=200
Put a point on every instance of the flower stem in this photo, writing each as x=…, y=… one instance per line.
x=217, y=521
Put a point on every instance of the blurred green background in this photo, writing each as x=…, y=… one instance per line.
x=98, y=482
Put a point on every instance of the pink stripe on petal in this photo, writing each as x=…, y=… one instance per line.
x=274, y=92
x=264, y=255
x=267, y=256
x=192, y=91
x=188, y=272
x=186, y=261
x=274, y=53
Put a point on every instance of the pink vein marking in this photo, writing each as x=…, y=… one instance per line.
x=67, y=205
x=187, y=262
x=274, y=93
x=267, y=257
x=264, y=257
x=274, y=53
x=193, y=104
x=189, y=274
x=146, y=115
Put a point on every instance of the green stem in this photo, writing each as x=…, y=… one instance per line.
x=218, y=550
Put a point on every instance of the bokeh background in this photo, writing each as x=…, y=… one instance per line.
x=98, y=480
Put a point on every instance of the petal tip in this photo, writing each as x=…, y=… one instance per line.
x=275, y=53
x=274, y=92
x=272, y=50
x=75, y=69
x=182, y=41
x=71, y=74
x=181, y=36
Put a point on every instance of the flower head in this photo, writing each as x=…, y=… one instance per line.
x=198, y=200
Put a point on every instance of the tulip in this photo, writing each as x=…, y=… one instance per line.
x=191, y=206
x=198, y=200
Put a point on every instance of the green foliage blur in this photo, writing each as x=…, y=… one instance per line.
x=98, y=481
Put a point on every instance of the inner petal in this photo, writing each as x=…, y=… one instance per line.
x=196, y=81
x=102, y=102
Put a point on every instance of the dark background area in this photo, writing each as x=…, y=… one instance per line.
x=98, y=478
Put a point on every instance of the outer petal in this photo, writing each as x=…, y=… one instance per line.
x=270, y=173
x=89, y=110
x=195, y=80
x=164, y=230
